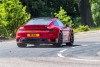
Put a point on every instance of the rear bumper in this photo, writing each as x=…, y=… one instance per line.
x=45, y=37
x=37, y=40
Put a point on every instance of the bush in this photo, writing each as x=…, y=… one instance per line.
x=83, y=28
x=62, y=15
x=12, y=15
x=76, y=30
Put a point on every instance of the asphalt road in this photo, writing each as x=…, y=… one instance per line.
x=84, y=53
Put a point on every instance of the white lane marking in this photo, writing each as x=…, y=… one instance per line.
x=60, y=55
x=63, y=50
x=80, y=59
x=60, y=52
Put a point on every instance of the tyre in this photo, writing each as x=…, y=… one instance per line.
x=71, y=40
x=21, y=45
x=60, y=39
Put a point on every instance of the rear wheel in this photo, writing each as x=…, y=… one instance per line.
x=60, y=39
x=21, y=45
x=71, y=40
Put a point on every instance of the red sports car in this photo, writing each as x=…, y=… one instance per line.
x=44, y=31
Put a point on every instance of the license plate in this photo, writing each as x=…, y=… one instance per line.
x=33, y=35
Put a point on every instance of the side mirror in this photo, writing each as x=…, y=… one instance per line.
x=66, y=25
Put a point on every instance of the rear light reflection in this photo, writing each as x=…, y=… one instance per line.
x=20, y=30
x=49, y=30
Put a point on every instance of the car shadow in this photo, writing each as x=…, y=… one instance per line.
x=40, y=46
x=50, y=46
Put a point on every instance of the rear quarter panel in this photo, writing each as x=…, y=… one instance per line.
x=66, y=34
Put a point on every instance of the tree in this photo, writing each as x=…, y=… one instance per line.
x=12, y=15
x=85, y=13
x=95, y=6
x=38, y=8
x=62, y=15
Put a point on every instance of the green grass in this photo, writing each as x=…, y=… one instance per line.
x=95, y=28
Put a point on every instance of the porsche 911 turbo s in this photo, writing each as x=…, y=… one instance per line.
x=44, y=31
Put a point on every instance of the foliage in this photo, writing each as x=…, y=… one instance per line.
x=62, y=15
x=96, y=12
x=76, y=30
x=12, y=15
x=95, y=28
x=77, y=1
x=76, y=22
x=38, y=8
x=83, y=28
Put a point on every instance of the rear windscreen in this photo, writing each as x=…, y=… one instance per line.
x=39, y=22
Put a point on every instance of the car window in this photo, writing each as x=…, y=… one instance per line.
x=56, y=23
x=60, y=23
x=39, y=22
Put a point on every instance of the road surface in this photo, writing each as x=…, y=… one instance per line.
x=84, y=53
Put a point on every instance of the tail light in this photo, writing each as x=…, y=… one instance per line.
x=21, y=29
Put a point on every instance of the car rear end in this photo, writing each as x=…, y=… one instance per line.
x=32, y=34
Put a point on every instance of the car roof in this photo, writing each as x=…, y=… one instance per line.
x=47, y=19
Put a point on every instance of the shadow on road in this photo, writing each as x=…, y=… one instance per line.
x=50, y=46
